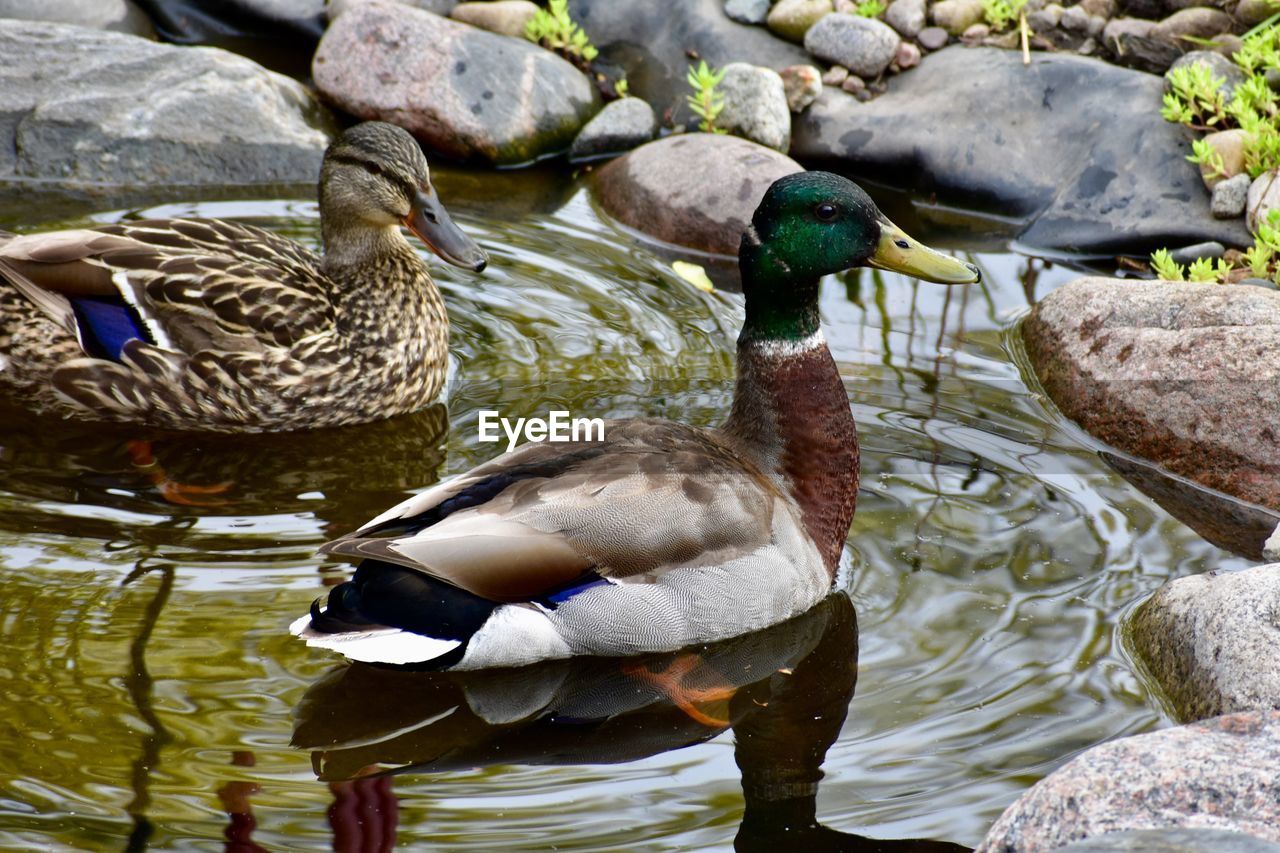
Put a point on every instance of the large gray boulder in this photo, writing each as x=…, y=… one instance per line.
x=117, y=15
x=1218, y=774
x=1181, y=374
x=696, y=190
x=1172, y=841
x=464, y=92
x=1212, y=641
x=84, y=106
x=1073, y=145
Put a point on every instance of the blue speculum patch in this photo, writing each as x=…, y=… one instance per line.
x=106, y=324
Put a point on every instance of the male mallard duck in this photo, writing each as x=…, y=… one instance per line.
x=661, y=535
x=211, y=325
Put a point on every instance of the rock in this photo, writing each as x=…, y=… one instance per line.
x=620, y=126
x=1227, y=44
x=747, y=11
x=1176, y=373
x=1229, y=145
x=1229, y=197
x=956, y=16
x=791, y=19
x=1217, y=774
x=287, y=23
x=854, y=85
x=123, y=110
x=1091, y=192
x=116, y=15
x=755, y=105
x=863, y=45
x=1043, y=20
x=975, y=34
x=505, y=17
x=1105, y=9
x=1171, y=841
x=1264, y=197
x=451, y=85
x=1271, y=547
x=696, y=189
x=835, y=75
x=1132, y=43
x=1097, y=24
x=803, y=85
x=1198, y=22
x=1251, y=12
x=1075, y=19
x=933, y=38
x=908, y=56
x=906, y=16
x=1212, y=641
x=1219, y=66
x=1188, y=254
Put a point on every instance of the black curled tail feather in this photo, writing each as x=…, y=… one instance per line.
x=384, y=594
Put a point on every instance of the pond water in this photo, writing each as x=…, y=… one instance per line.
x=153, y=697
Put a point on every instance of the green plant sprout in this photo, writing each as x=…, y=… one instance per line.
x=1001, y=13
x=1195, y=98
x=555, y=30
x=1164, y=267
x=1205, y=155
x=705, y=101
x=870, y=9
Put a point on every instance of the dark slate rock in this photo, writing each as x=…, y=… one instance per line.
x=451, y=85
x=1181, y=374
x=619, y=127
x=119, y=109
x=213, y=21
x=1172, y=841
x=1196, y=251
x=1079, y=150
x=1218, y=774
x=1212, y=641
x=696, y=189
x=120, y=16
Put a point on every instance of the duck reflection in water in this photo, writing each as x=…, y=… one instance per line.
x=784, y=691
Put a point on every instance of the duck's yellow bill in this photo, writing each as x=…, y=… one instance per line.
x=899, y=253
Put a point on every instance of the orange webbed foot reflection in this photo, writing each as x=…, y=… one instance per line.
x=671, y=681
x=181, y=494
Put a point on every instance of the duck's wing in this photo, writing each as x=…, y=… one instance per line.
x=653, y=496
x=182, y=284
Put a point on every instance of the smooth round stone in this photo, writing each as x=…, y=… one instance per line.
x=1188, y=254
x=906, y=16
x=115, y=15
x=1075, y=19
x=505, y=17
x=956, y=16
x=863, y=45
x=791, y=19
x=755, y=105
x=620, y=126
x=933, y=38
x=908, y=56
x=696, y=190
x=1198, y=22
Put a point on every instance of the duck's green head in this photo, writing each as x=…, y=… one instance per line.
x=810, y=224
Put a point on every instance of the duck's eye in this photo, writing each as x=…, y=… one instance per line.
x=826, y=211
x=371, y=167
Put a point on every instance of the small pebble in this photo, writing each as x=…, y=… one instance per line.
x=1075, y=19
x=1259, y=282
x=933, y=38
x=835, y=75
x=1097, y=24
x=908, y=56
x=1229, y=197
x=1273, y=79
x=802, y=84
x=854, y=84
x=1088, y=47
x=1188, y=254
x=975, y=33
x=1043, y=20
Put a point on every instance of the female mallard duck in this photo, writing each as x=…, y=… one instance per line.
x=661, y=535
x=202, y=324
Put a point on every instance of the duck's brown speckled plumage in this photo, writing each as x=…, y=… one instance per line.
x=250, y=331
